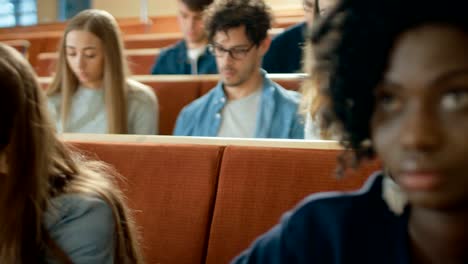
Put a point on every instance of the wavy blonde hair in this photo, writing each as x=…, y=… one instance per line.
x=104, y=26
x=314, y=100
x=40, y=167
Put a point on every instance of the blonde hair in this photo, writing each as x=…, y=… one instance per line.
x=104, y=26
x=40, y=167
x=313, y=101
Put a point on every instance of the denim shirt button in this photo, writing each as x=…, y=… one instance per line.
x=223, y=99
x=218, y=115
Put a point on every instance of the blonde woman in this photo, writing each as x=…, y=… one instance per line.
x=55, y=206
x=91, y=91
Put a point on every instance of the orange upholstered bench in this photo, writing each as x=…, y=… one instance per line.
x=258, y=184
x=171, y=189
x=204, y=200
x=174, y=92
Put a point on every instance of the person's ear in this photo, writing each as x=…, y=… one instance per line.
x=264, y=45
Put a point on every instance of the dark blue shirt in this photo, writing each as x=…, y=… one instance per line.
x=336, y=228
x=174, y=60
x=285, y=52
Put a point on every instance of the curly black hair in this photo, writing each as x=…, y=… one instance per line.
x=255, y=15
x=197, y=5
x=352, y=44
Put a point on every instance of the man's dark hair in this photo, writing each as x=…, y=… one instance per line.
x=353, y=43
x=316, y=8
x=197, y=5
x=255, y=15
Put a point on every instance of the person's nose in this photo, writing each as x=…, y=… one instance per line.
x=192, y=23
x=419, y=129
x=81, y=62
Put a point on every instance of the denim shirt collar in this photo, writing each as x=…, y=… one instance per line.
x=264, y=115
x=182, y=54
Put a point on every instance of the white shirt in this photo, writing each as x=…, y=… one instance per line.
x=193, y=55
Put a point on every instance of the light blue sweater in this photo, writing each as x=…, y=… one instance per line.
x=83, y=227
x=88, y=111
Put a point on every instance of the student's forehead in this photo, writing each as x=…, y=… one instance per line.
x=233, y=36
x=82, y=37
x=183, y=8
x=327, y=4
x=427, y=52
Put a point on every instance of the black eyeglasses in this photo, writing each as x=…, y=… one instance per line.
x=236, y=53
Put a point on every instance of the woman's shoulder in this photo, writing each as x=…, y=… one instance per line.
x=139, y=93
x=82, y=226
x=332, y=224
x=136, y=88
x=74, y=204
x=334, y=207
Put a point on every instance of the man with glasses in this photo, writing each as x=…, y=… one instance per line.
x=285, y=53
x=245, y=103
x=190, y=55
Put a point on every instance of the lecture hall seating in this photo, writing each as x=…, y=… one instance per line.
x=140, y=61
x=46, y=37
x=176, y=91
x=204, y=200
x=142, y=51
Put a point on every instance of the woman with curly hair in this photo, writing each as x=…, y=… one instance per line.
x=397, y=85
x=55, y=206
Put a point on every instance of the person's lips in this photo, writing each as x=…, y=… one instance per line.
x=420, y=180
x=82, y=75
x=228, y=72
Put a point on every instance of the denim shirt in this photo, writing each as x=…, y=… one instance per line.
x=174, y=60
x=277, y=117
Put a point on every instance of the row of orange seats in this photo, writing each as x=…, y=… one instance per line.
x=192, y=195
x=160, y=32
x=142, y=50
